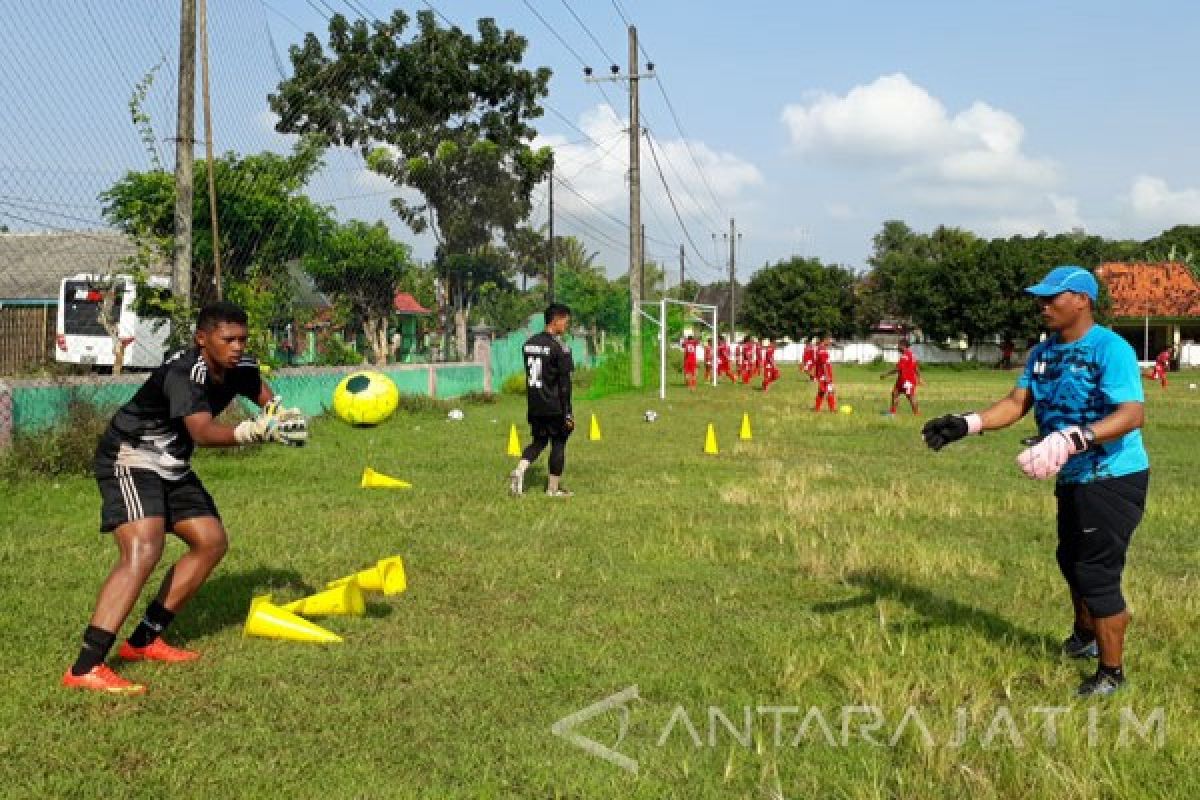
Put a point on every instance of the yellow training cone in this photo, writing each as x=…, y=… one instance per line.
x=346, y=599
x=395, y=580
x=377, y=480
x=514, y=442
x=745, y=434
x=273, y=622
x=386, y=576
x=594, y=433
x=710, y=441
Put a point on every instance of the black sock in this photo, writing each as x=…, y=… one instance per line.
x=152, y=625
x=1084, y=634
x=1112, y=672
x=96, y=644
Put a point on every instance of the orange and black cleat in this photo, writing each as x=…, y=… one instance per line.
x=158, y=650
x=101, y=678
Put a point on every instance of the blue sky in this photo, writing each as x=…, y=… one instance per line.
x=811, y=123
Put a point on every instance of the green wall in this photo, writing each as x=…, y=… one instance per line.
x=36, y=407
x=507, y=358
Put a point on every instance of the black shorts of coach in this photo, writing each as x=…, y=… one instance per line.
x=1095, y=525
x=127, y=495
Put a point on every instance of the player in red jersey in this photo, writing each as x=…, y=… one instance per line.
x=770, y=371
x=708, y=359
x=760, y=350
x=1162, y=365
x=746, y=358
x=823, y=373
x=908, y=378
x=723, y=354
x=690, y=346
x=808, y=360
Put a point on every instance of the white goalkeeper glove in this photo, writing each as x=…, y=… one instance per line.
x=274, y=424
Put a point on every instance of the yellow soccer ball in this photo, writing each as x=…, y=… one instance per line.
x=846, y=409
x=365, y=398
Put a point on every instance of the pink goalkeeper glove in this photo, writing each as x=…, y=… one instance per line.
x=1044, y=459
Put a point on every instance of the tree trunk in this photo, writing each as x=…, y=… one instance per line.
x=110, y=320
x=375, y=327
x=460, y=331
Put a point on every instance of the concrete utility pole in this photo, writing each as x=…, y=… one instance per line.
x=208, y=150
x=732, y=279
x=181, y=276
x=550, y=244
x=636, y=276
x=681, y=267
x=642, y=262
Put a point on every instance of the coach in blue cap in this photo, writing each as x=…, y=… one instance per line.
x=1085, y=390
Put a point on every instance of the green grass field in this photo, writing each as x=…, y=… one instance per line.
x=830, y=562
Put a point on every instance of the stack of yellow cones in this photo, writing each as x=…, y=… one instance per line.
x=269, y=620
x=594, y=432
x=514, y=442
x=386, y=576
x=744, y=434
x=377, y=480
x=710, y=441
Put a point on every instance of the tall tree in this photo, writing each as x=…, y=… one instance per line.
x=799, y=296
x=362, y=265
x=441, y=111
x=266, y=219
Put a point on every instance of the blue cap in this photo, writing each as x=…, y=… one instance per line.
x=1066, y=279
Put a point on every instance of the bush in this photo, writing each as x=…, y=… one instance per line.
x=422, y=404
x=478, y=398
x=514, y=384
x=66, y=448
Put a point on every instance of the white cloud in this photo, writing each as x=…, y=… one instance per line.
x=1153, y=201
x=1056, y=214
x=973, y=157
x=597, y=170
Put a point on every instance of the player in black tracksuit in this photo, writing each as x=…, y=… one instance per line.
x=548, y=367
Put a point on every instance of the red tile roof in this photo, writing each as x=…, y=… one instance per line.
x=1167, y=289
x=405, y=303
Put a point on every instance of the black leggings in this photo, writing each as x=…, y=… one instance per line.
x=558, y=451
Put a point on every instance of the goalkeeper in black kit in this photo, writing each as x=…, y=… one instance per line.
x=548, y=367
x=147, y=488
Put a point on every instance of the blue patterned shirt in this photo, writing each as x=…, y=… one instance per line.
x=1079, y=384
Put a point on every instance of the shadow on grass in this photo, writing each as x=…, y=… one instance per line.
x=224, y=600
x=938, y=611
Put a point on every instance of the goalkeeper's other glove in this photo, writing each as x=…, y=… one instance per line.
x=274, y=424
x=942, y=431
x=1046, y=457
x=569, y=423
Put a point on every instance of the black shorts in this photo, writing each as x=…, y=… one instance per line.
x=128, y=494
x=549, y=427
x=1096, y=522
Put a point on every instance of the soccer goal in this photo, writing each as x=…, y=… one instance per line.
x=698, y=313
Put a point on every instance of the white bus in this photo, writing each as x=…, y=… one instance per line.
x=81, y=337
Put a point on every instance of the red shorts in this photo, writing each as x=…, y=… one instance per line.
x=689, y=369
x=905, y=387
x=1157, y=374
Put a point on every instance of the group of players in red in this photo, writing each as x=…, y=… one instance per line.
x=756, y=358
x=749, y=360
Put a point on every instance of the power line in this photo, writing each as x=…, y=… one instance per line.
x=588, y=31
x=658, y=167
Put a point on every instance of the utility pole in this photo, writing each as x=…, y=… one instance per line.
x=732, y=279
x=208, y=149
x=550, y=244
x=636, y=276
x=181, y=276
x=681, y=268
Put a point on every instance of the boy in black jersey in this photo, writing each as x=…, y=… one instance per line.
x=147, y=488
x=548, y=367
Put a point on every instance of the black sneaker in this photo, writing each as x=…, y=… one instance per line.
x=1102, y=684
x=1075, y=646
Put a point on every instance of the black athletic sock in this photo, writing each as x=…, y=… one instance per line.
x=152, y=625
x=1084, y=634
x=96, y=644
x=1112, y=672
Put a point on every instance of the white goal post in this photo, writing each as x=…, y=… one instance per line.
x=703, y=314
